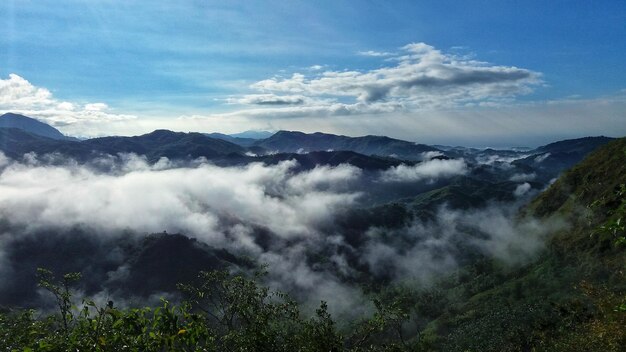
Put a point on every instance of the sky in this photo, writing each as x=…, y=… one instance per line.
x=476, y=73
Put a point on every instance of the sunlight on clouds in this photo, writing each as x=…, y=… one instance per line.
x=18, y=95
x=423, y=77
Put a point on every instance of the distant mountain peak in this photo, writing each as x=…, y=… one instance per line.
x=161, y=132
x=286, y=132
x=30, y=125
x=252, y=134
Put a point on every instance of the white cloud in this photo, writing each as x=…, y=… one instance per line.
x=18, y=93
x=495, y=158
x=422, y=78
x=542, y=157
x=222, y=207
x=522, y=189
x=375, y=53
x=20, y=96
x=523, y=177
x=96, y=107
x=429, y=249
x=154, y=198
x=269, y=99
x=230, y=207
x=426, y=170
x=431, y=155
x=515, y=124
x=480, y=114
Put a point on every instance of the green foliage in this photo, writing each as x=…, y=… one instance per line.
x=615, y=225
x=223, y=312
x=246, y=316
x=60, y=289
x=383, y=330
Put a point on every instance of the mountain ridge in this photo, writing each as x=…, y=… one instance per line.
x=295, y=141
x=228, y=150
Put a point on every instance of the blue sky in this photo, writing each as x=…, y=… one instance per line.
x=484, y=72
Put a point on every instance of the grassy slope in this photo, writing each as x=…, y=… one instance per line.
x=564, y=301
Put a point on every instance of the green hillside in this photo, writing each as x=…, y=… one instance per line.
x=573, y=297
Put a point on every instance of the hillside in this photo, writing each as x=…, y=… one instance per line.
x=16, y=142
x=562, y=154
x=579, y=145
x=164, y=143
x=568, y=300
x=154, y=145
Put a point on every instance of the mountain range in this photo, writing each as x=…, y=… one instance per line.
x=20, y=134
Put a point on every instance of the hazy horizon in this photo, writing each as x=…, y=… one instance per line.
x=472, y=74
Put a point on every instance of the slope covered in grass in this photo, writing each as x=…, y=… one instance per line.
x=572, y=297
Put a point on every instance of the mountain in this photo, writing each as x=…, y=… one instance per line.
x=162, y=253
x=164, y=143
x=579, y=145
x=571, y=296
x=597, y=178
x=464, y=193
x=244, y=139
x=297, y=142
x=17, y=142
x=154, y=145
x=244, y=142
x=30, y=125
x=552, y=158
x=252, y=134
x=567, y=297
x=176, y=146
x=128, y=265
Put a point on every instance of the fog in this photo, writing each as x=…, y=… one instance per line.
x=293, y=222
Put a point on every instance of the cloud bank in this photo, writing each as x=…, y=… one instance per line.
x=310, y=227
x=188, y=200
x=422, y=77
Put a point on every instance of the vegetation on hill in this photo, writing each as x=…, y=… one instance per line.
x=572, y=297
x=224, y=312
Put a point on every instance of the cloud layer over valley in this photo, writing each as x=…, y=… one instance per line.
x=314, y=229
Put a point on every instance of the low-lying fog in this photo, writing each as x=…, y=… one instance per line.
x=300, y=224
